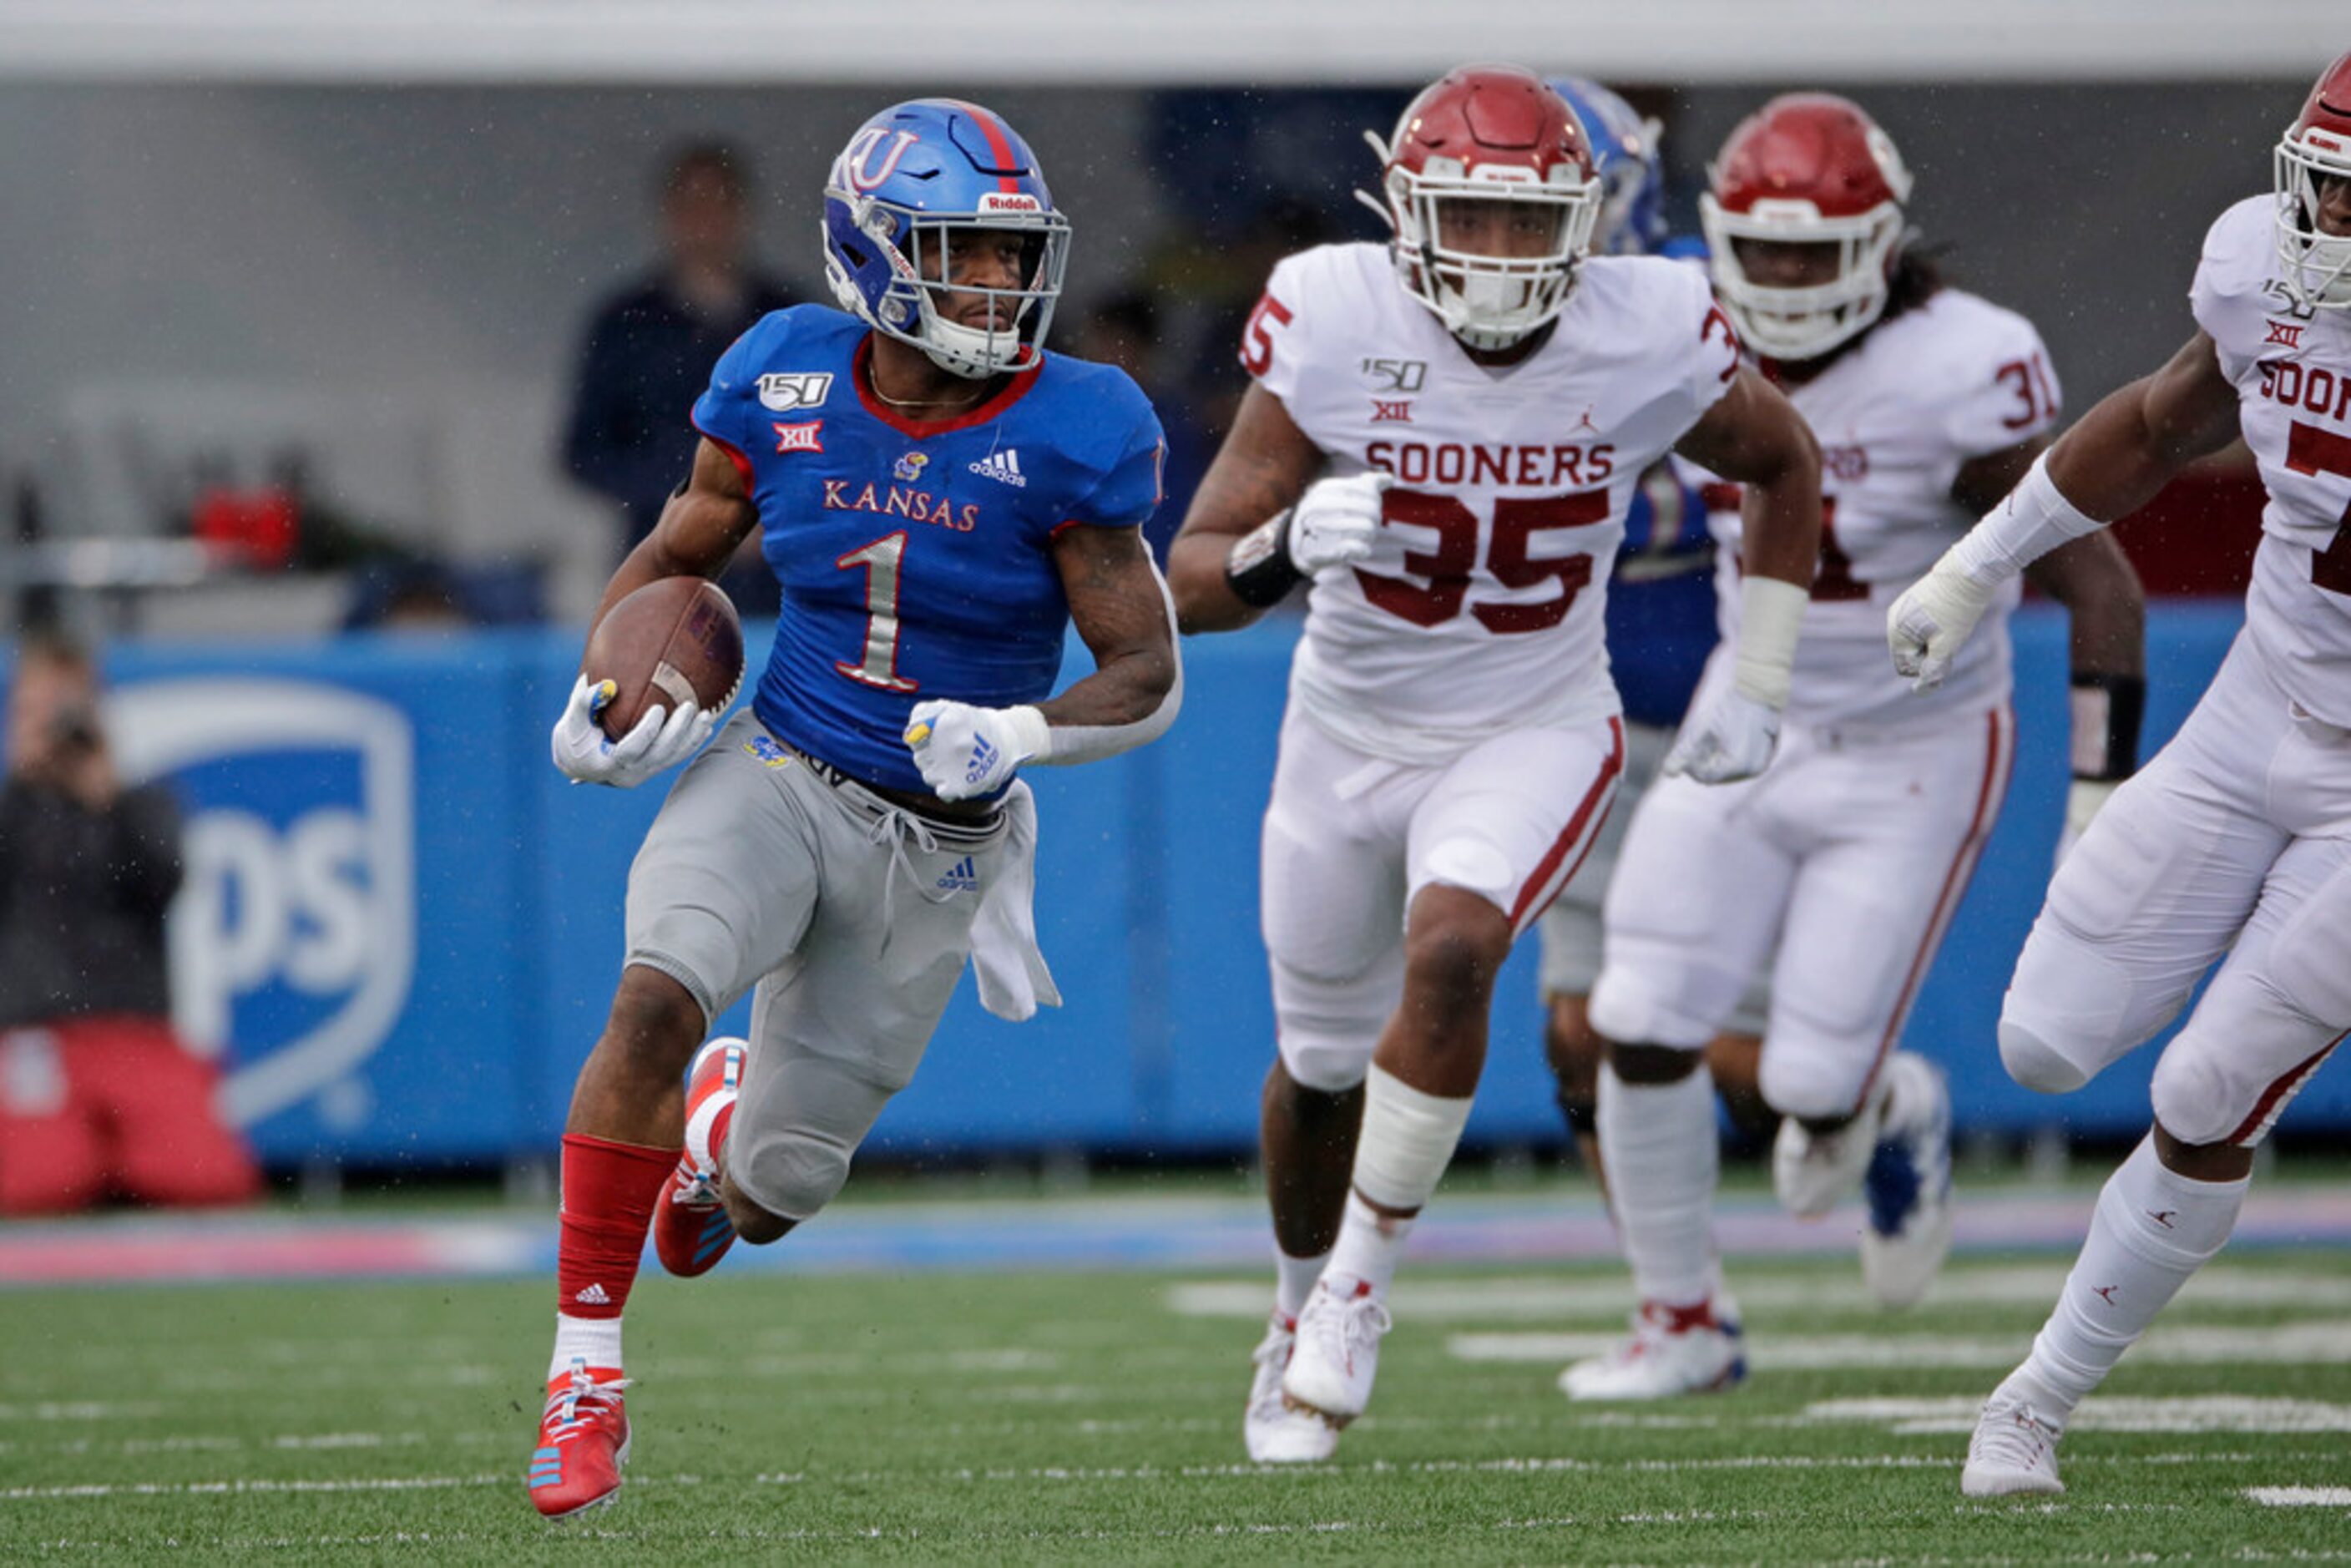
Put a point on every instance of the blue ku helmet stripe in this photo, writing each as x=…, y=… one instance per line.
x=1626, y=156
x=912, y=176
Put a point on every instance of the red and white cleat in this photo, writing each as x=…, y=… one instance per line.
x=583, y=1441
x=1673, y=1351
x=691, y=1231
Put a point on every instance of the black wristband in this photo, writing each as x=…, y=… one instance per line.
x=2107, y=714
x=1259, y=570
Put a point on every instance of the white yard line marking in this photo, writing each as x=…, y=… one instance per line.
x=219, y=1488
x=2299, y=1345
x=1517, y=1298
x=2213, y=1412
x=2301, y=1496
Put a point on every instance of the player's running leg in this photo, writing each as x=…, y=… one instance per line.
x=1681, y=947
x=629, y=1094
x=2274, y=1012
x=1490, y=844
x=1416, y=1104
x=691, y=1228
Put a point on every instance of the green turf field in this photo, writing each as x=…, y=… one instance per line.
x=989, y=1418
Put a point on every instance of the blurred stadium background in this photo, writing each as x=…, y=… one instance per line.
x=271, y=261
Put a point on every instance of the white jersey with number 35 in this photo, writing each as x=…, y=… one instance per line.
x=2293, y=375
x=1479, y=611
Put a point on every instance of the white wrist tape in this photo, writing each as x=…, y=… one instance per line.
x=1066, y=745
x=2033, y=519
x=1771, y=616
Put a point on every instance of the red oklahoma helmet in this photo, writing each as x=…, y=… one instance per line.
x=1488, y=134
x=1808, y=168
x=2314, y=265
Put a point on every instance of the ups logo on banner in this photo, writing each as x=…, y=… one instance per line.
x=294, y=935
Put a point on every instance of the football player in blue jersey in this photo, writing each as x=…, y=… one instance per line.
x=942, y=500
x=1661, y=626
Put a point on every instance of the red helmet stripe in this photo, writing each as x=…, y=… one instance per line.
x=1000, y=140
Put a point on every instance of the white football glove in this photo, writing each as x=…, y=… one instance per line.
x=661, y=739
x=1734, y=738
x=1336, y=522
x=1928, y=625
x=2082, y=803
x=966, y=751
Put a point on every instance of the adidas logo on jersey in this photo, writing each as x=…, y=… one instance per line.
x=1004, y=467
x=593, y=1296
x=962, y=877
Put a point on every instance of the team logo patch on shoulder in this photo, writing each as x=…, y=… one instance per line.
x=809, y=437
x=1004, y=467
x=784, y=390
x=909, y=468
x=768, y=751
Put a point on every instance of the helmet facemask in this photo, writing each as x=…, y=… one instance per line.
x=2314, y=265
x=1803, y=323
x=921, y=250
x=1489, y=301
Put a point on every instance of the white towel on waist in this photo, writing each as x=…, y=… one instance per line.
x=1013, y=979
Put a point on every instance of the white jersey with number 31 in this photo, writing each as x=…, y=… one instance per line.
x=1898, y=416
x=1479, y=609
x=2293, y=375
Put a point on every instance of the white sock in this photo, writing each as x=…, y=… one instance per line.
x=1657, y=1143
x=1370, y=1245
x=594, y=1342
x=2153, y=1228
x=1294, y=1280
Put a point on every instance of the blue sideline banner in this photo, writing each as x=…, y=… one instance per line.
x=400, y=926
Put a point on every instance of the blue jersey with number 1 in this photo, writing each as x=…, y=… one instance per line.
x=917, y=557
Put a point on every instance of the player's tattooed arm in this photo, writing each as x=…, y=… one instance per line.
x=2137, y=437
x=1754, y=435
x=706, y=521
x=1265, y=465
x=1120, y=605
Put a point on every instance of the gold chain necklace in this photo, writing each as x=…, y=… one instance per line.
x=873, y=384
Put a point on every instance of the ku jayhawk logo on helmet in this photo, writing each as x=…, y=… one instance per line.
x=909, y=468
x=859, y=170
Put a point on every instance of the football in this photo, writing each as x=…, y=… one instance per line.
x=670, y=639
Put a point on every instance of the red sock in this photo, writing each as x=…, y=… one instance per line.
x=609, y=1193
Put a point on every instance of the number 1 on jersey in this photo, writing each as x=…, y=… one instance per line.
x=880, y=560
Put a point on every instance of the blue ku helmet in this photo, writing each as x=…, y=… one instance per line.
x=915, y=178
x=1626, y=157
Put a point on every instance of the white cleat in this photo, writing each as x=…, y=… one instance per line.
x=1813, y=1172
x=1337, y=1352
x=2014, y=1449
x=1276, y=1434
x=1673, y=1351
x=1909, y=1186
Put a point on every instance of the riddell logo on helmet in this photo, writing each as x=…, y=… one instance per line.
x=1009, y=201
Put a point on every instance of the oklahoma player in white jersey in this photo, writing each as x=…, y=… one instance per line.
x=1843, y=865
x=2235, y=844
x=1482, y=401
